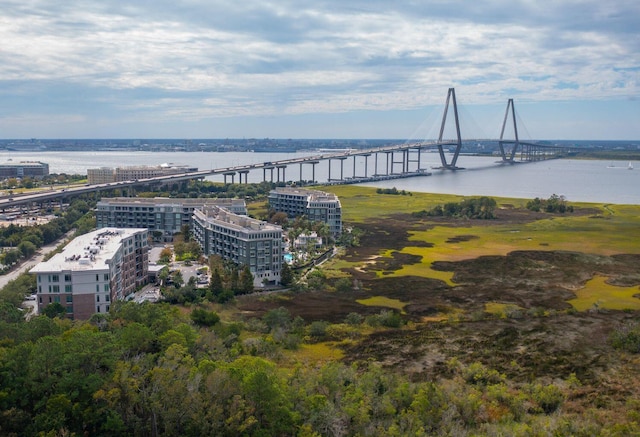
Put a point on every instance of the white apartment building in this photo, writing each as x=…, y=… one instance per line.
x=163, y=214
x=314, y=205
x=241, y=239
x=105, y=175
x=102, y=175
x=94, y=270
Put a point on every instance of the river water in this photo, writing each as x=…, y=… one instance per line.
x=576, y=180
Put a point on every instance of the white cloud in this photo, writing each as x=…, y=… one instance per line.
x=202, y=59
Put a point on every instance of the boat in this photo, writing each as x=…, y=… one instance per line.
x=630, y=167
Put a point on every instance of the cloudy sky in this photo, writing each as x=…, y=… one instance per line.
x=317, y=69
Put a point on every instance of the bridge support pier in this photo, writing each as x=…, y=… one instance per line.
x=313, y=169
x=366, y=165
x=264, y=173
x=341, y=159
x=417, y=161
x=246, y=176
x=283, y=168
x=229, y=173
x=402, y=162
x=342, y=167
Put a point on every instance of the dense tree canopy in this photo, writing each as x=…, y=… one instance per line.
x=150, y=370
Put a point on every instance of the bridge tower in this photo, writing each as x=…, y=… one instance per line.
x=516, y=143
x=451, y=95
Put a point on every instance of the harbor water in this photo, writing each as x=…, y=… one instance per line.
x=577, y=180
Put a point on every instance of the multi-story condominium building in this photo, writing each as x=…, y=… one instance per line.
x=166, y=215
x=241, y=239
x=94, y=270
x=34, y=169
x=105, y=175
x=315, y=205
x=102, y=175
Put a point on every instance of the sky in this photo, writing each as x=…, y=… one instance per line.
x=318, y=69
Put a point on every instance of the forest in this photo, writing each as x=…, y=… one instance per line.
x=154, y=370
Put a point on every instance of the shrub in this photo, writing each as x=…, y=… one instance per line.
x=390, y=319
x=343, y=285
x=547, y=397
x=473, y=208
x=318, y=329
x=203, y=317
x=354, y=319
x=478, y=374
x=554, y=203
x=627, y=338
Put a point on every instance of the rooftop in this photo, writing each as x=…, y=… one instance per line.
x=91, y=251
x=149, y=201
x=235, y=221
x=311, y=194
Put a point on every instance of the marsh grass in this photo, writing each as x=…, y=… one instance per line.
x=316, y=353
x=385, y=302
x=597, y=294
x=606, y=232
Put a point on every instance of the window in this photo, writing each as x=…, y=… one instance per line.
x=97, y=309
x=56, y=299
x=69, y=298
x=97, y=298
x=106, y=287
x=69, y=310
x=67, y=278
x=67, y=289
x=56, y=288
x=107, y=298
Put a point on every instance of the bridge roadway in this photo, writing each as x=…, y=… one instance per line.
x=59, y=194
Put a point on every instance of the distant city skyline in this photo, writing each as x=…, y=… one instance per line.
x=357, y=69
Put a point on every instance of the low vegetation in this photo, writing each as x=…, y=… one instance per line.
x=393, y=191
x=554, y=203
x=473, y=208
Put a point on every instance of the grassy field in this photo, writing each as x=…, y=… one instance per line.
x=597, y=294
x=383, y=302
x=605, y=230
x=398, y=248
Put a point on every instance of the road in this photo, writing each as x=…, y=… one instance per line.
x=31, y=262
x=28, y=264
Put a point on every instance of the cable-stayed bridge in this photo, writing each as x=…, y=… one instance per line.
x=388, y=162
